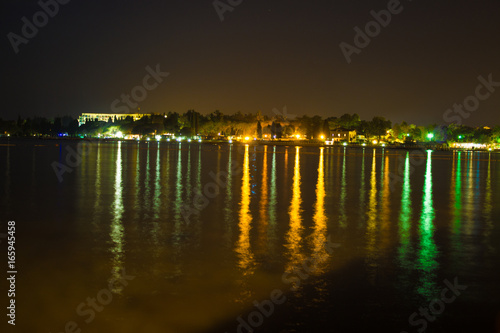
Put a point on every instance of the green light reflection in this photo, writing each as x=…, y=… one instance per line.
x=427, y=263
x=405, y=215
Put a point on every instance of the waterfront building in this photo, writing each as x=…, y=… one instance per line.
x=106, y=116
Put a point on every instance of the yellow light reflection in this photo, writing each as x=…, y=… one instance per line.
x=228, y=210
x=97, y=185
x=320, y=254
x=385, y=210
x=272, y=204
x=243, y=248
x=372, y=254
x=294, y=236
x=343, y=194
x=286, y=164
x=362, y=191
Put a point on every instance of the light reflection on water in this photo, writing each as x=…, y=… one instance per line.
x=405, y=218
x=343, y=193
x=427, y=248
x=263, y=236
x=117, y=230
x=269, y=216
x=243, y=247
x=372, y=254
x=294, y=235
x=319, y=235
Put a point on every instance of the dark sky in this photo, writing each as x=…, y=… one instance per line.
x=264, y=55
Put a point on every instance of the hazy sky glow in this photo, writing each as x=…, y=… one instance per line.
x=264, y=55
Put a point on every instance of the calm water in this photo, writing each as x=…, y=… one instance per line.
x=400, y=223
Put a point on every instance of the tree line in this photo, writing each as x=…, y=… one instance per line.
x=217, y=124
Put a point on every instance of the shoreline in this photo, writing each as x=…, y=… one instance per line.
x=293, y=143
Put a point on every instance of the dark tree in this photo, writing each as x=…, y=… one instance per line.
x=259, y=130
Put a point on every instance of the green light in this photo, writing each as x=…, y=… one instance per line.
x=427, y=262
x=459, y=136
x=405, y=218
x=430, y=136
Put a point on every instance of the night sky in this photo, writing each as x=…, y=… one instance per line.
x=264, y=55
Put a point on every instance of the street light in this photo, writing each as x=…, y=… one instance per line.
x=430, y=136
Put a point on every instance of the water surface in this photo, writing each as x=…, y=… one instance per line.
x=208, y=229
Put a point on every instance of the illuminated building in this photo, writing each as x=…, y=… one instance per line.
x=106, y=116
x=342, y=134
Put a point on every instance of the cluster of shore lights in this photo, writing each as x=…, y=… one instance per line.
x=178, y=139
x=470, y=145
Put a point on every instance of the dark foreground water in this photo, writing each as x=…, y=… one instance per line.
x=160, y=237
